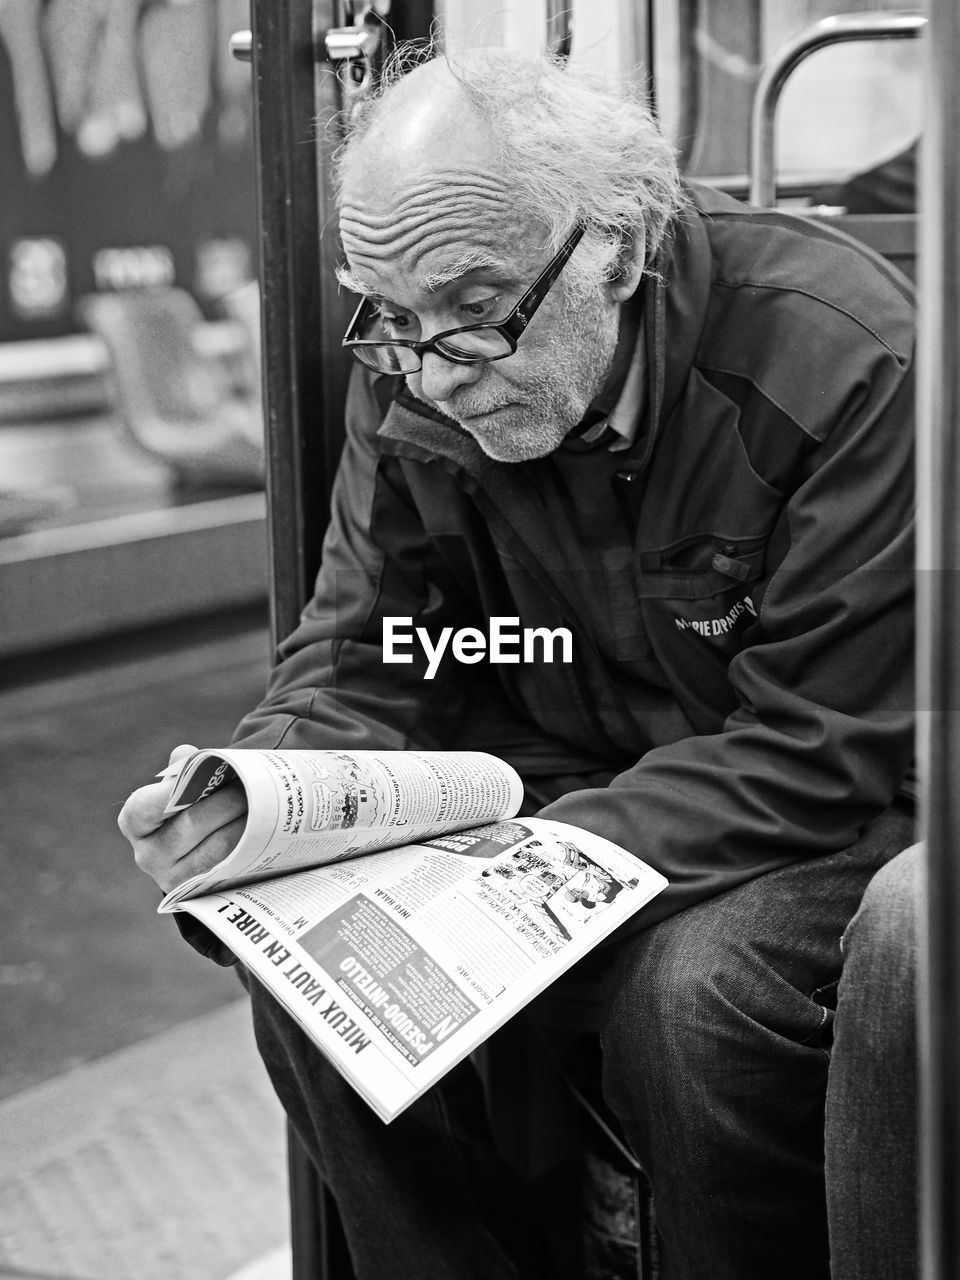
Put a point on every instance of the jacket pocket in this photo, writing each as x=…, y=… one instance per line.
x=700, y=567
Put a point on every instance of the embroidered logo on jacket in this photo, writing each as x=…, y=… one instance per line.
x=718, y=626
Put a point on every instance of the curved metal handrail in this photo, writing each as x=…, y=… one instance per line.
x=819, y=35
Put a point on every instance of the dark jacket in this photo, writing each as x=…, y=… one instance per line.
x=739, y=583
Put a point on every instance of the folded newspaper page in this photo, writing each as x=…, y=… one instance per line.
x=310, y=807
x=400, y=962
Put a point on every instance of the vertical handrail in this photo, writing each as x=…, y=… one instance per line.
x=688, y=19
x=559, y=24
x=819, y=35
x=296, y=402
x=939, y=647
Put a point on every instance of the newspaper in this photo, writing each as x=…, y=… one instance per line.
x=310, y=807
x=399, y=959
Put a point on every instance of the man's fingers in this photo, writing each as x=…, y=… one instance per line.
x=142, y=813
x=187, y=830
x=172, y=865
x=173, y=848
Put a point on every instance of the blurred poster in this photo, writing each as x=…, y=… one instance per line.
x=127, y=152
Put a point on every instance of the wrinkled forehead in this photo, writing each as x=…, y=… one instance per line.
x=425, y=225
x=425, y=187
x=425, y=190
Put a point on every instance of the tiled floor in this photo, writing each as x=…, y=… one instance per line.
x=87, y=966
x=162, y=1161
x=139, y=1136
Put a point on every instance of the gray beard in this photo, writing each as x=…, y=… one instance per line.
x=552, y=404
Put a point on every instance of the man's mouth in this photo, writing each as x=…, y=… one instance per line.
x=475, y=414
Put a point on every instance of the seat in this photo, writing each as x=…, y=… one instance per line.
x=242, y=306
x=172, y=403
x=20, y=509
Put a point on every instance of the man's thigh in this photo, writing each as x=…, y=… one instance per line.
x=772, y=944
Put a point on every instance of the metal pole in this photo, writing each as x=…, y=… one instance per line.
x=939, y=648
x=559, y=20
x=295, y=396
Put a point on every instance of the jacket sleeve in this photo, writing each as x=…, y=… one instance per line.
x=331, y=687
x=822, y=734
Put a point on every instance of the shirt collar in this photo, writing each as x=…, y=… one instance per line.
x=613, y=415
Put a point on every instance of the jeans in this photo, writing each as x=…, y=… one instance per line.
x=716, y=1045
x=871, y=1134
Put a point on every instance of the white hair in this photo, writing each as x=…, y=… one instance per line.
x=572, y=150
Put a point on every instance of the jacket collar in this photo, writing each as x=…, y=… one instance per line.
x=428, y=435
x=676, y=311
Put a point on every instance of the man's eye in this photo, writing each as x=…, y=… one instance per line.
x=481, y=309
x=395, y=324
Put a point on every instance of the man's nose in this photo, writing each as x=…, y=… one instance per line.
x=440, y=378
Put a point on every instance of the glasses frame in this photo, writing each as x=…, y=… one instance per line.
x=510, y=329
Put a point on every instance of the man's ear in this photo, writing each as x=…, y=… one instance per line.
x=630, y=266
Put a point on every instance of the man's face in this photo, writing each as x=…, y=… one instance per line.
x=440, y=247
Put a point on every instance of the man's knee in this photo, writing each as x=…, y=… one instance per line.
x=696, y=994
x=886, y=921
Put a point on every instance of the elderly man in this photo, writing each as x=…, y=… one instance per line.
x=594, y=398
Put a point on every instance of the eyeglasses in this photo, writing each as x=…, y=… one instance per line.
x=471, y=344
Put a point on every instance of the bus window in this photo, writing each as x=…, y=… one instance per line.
x=847, y=107
x=844, y=110
x=608, y=36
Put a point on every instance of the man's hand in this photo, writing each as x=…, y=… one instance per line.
x=173, y=849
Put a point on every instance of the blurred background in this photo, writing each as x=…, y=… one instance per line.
x=137, y=1135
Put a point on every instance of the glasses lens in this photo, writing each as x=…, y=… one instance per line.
x=386, y=358
x=476, y=344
